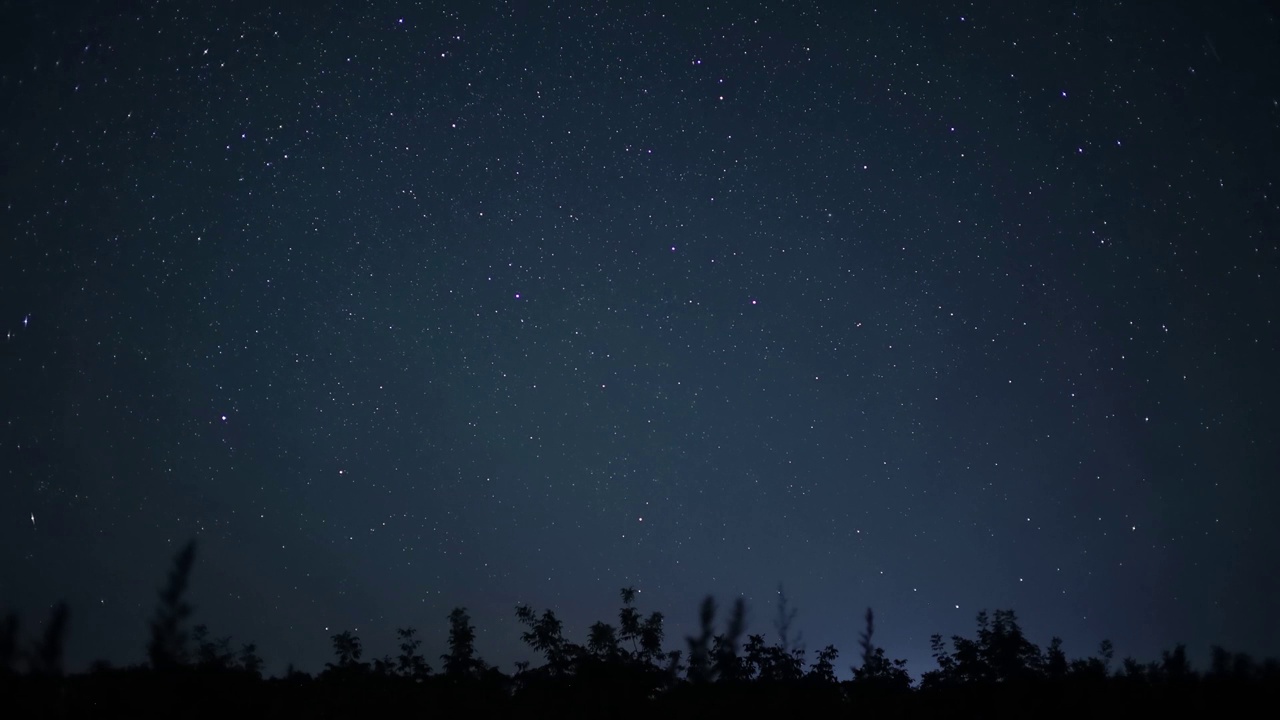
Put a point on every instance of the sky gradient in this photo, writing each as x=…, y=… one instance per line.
x=398, y=307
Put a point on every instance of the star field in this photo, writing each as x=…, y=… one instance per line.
x=399, y=307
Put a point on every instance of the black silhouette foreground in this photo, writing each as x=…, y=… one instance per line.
x=623, y=670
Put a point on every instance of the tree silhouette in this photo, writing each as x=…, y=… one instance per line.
x=1095, y=668
x=877, y=671
x=945, y=675
x=1055, y=660
x=645, y=635
x=757, y=661
x=602, y=641
x=348, y=649
x=9, y=643
x=864, y=639
x=1235, y=667
x=167, y=647
x=461, y=660
x=782, y=623
x=385, y=666
x=770, y=663
x=1133, y=670
x=1106, y=653
x=212, y=654
x=410, y=663
x=700, y=646
x=620, y=673
x=546, y=635
x=714, y=656
x=1000, y=654
x=47, y=657
x=250, y=661
x=1174, y=666
x=652, y=634
x=823, y=669
x=629, y=619
x=1004, y=649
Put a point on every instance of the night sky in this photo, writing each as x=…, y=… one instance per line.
x=396, y=307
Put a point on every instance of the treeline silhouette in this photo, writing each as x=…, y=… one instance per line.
x=623, y=670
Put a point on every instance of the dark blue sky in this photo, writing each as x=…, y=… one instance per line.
x=924, y=306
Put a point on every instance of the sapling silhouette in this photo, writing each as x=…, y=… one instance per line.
x=167, y=647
